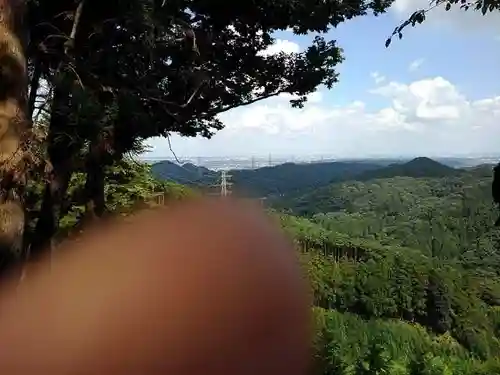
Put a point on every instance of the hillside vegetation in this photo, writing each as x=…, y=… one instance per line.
x=418, y=167
x=188, y=174
x=290, y=179
x=405, y=274
x=445, y=217
x=275, y=180
x=405, y=270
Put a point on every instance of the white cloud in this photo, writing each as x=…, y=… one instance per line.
x=377, y=77
x=275, y=115
x=425, y=117
x=415, y=65
x=456, y=18
x=281, y=45
x=429, y=99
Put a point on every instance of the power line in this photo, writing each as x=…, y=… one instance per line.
x=225, y=185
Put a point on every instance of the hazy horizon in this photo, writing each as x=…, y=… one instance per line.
x=255, y=162
x=321, y=156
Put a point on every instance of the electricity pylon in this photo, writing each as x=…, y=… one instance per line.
x=225, y=185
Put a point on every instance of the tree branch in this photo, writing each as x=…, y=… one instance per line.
x=184, y=105
x=42, y=106
x=222, y=110
x=34, y=85
x=71, y=40
x=171, y=149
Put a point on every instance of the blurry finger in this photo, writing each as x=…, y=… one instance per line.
x=210, y=287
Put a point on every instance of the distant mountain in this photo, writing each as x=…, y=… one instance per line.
x=433, y=179
x=290, y=177
x=418, y=167
x=266, y=181
x=482, y=170
x=188, y=174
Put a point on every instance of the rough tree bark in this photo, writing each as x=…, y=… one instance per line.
x=60, y=152
x=14, y=128
x=62, y=147
x=95, y=202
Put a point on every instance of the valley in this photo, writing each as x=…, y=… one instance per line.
x=403, y=259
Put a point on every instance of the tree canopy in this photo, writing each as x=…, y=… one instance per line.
x=404, y=273
x=104, y=77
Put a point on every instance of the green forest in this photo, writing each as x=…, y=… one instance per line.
x=403, y=260
x=404, y=270
x=405, y=274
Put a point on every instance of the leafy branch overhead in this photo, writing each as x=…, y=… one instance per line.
x=176, y=66
x=419, y=16
x=106, y=76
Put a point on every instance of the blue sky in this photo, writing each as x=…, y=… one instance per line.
x=436, y=92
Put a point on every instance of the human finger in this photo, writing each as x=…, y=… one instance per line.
x=210, y=286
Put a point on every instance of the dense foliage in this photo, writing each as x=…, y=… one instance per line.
x=129, y=186
x=418, y=167
x=103, y=77
x=405, y=274
x=188, y=174
x=176, y=65
x=403, y=259
x=288, y=178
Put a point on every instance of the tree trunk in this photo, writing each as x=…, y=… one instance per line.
x=95, y=202
x=14, y=125
x=62, y=148
x=34, y=86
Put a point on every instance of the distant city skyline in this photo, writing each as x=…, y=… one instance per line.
x=319, y=156
x=253, y=162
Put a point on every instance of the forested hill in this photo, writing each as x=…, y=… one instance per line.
x=405, y=273
x=188, y=173
x=388, y=196
x=267, y=180
x=418, y=167
x=390, y=309
x=291, y=178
